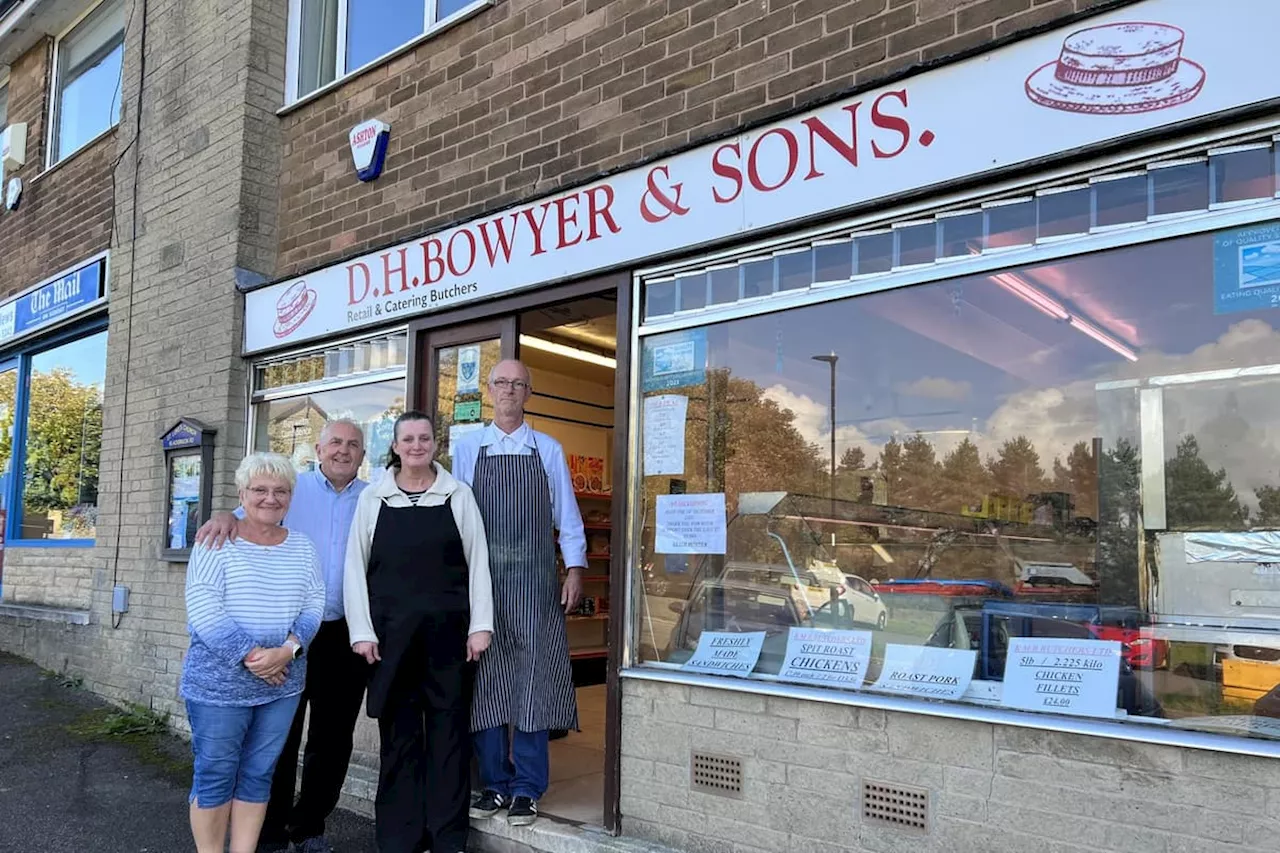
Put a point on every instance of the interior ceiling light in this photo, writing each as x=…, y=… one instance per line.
x=568, y=352
x=1050, y=306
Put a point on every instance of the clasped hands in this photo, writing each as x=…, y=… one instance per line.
x=271, y=665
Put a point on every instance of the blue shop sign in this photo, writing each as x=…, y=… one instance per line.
x=53, y=301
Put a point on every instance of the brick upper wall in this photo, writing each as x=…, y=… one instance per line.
x=533, y=95
x=65, y=214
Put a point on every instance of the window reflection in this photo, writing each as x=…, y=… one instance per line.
x=292, y=426
x=995, y=443
x=374, y=29
x=63, y=440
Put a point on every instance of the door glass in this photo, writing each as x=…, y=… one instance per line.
x=462, y=400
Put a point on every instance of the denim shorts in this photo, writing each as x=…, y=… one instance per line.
x=236, y=748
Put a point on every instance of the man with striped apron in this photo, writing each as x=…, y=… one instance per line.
x=524, y=682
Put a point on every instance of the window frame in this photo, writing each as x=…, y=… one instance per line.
x=4, y=85
x=52, y=155
x=13, y=492
x=980, y=704
x=294, y=97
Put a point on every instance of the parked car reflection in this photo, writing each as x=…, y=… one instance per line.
x=743, y=605
x=987, y=628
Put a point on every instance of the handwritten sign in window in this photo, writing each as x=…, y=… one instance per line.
x=926, y=671
x=726, y=653
x=828, y=658
x=1065, y=676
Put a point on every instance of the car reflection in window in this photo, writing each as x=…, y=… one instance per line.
x=987, y=628
x=746, y=605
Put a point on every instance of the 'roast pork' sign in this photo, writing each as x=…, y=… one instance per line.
x=1144, y=66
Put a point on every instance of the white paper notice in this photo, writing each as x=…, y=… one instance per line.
x=1062, y=675
x=690, y=524
x=468, y=370
x=829, y=658
x=927, y=671
x=726, y=653
x=664, y=418
x=457, y=431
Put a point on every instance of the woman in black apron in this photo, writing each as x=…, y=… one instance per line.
x=420, y=609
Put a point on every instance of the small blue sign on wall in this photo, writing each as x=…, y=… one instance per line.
x=675, y=360
x=52, y=301
x=1246, y=269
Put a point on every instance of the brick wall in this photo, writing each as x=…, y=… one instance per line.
x=532, y=95
x=65, y=214
x=992, y=788
x=206, y=193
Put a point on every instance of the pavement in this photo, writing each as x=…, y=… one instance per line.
x=77, y=774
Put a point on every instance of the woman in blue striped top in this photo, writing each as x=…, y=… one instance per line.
x=252, y=607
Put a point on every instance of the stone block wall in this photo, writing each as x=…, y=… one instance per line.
x=991, y=788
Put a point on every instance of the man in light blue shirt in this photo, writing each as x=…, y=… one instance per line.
x=524, y=682
x=323, y=505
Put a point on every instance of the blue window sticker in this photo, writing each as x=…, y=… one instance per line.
x=676, y=360
x=1246, y=269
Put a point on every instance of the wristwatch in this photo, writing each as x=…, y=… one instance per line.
x=296, y=648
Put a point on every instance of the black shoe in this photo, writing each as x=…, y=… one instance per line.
x=489, y=804
x=523, y=811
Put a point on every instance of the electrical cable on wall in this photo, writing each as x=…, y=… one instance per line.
x=117, y=618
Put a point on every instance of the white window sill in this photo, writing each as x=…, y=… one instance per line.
x=92, y=143
x=443, y=26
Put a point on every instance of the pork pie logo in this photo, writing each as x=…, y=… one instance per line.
x=1118, y=69
x=292, y=308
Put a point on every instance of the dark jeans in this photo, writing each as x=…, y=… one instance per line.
x=336, y=678
x=525, y=776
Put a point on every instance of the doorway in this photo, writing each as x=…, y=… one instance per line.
x=571, y=350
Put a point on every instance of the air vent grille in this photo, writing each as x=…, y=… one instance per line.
x=895, y=805
x=717, y=774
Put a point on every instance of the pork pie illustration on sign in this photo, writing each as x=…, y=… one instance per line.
x=292, y=309
x=1118, y=69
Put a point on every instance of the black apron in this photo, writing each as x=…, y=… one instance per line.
x=525, y=678
x=421, y=608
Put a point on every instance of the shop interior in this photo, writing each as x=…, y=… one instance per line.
x=570, y=350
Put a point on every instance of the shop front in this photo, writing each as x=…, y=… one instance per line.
x=921, y=439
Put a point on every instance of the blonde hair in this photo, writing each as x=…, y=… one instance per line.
x=265, y=465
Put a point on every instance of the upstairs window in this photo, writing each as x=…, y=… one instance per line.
x=90, y=58
x=332, y=38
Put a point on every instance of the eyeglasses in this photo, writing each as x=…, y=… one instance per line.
x=514, y=384
x=261, y=492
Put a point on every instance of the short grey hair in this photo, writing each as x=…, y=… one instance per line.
x=329, y=425
x=265, y=465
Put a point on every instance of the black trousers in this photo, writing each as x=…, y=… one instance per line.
x=424, y=784
x=336, y=678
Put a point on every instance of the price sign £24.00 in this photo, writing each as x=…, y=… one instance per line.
x=1064, y=676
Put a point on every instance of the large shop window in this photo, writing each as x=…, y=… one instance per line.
x=89, y=64
x=51, y=440
x=334, y=38
x=296, y=396
x=1037, y=476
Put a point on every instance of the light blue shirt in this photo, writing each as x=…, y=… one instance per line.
x=324, y=515
x=564, y=503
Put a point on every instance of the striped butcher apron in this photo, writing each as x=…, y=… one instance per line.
x=525, y=678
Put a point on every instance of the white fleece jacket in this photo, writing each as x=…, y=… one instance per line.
x=355, y=586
